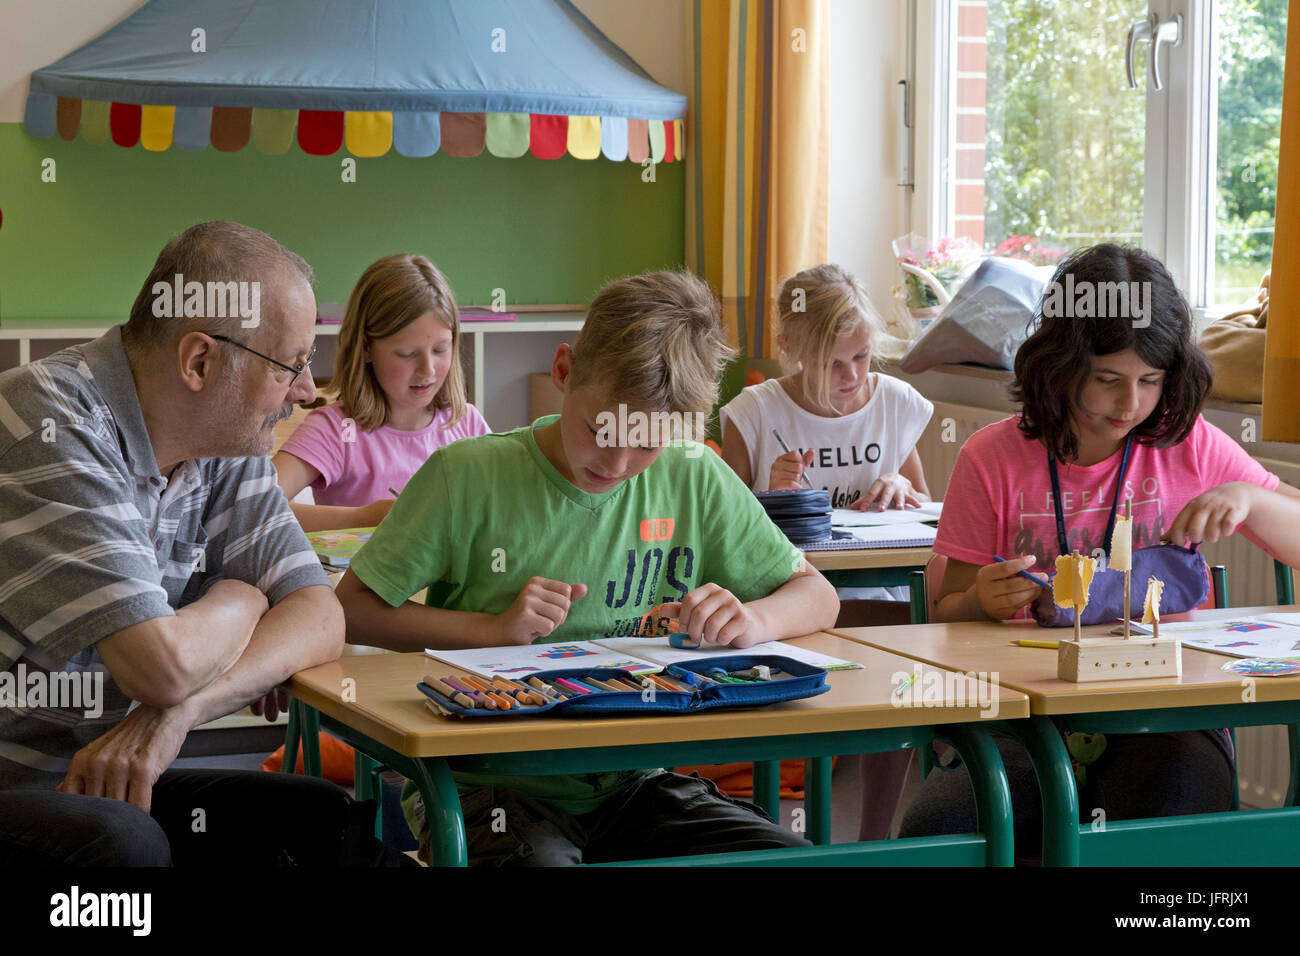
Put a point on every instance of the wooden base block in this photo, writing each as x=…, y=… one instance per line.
x=1113, y=658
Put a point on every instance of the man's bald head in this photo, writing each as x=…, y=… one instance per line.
x=232, y=264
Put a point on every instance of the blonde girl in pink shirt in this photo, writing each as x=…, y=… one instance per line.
x=398, y=396
x=1110, y=382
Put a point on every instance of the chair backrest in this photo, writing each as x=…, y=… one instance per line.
x=1285, y=582
x=925, y=586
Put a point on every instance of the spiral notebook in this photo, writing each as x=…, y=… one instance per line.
x=912, y=535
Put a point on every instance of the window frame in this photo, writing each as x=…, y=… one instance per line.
x=1179, y=188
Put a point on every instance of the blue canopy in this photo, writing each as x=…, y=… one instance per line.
x=530, y=57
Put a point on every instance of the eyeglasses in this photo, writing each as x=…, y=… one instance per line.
x=296, y=370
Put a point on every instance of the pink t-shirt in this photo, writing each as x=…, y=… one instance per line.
x=357, y=467
x=999, y=498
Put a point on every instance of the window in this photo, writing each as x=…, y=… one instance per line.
x=1043, y=146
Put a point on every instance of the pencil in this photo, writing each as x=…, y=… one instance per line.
x=1023, y=574
x=571, y=686
x=786, y=448
x=454, y=696
x=1050, y=644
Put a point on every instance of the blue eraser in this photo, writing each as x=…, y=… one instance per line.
x=683, y=641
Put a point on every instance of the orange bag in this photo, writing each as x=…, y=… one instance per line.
x=336, y=760
x=737, y=779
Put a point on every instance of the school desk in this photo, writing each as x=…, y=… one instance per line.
x=869, y=567
x=1205, y=697
x=372, y=703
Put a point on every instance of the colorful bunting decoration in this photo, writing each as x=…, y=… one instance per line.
x=363, y=134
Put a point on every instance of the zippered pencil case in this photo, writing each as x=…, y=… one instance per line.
x=683, y=688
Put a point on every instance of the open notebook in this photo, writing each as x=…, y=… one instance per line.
x=638, y=655
x=911, y=534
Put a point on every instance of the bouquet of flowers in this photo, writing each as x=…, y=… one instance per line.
x=942, y=259
x=1030, y=249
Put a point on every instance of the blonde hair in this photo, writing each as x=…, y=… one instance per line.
x=391, y=294
x=815, y=308
x=655, y=341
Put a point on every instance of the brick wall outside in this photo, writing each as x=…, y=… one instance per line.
x=968, y=145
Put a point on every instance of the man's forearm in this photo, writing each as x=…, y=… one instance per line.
x=303, y=630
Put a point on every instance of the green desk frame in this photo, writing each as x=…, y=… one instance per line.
x=872, y=577
x=1238, y=838
x=992, y=847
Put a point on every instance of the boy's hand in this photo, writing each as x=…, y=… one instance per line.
x=1212, y=515
x=539, y=609
x=714, y=615
x=275, y=703
x=1002, y=591
x=888, y=491
x=375, y=512
x=787, y=471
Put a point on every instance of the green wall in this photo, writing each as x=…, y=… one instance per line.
x=544, y=230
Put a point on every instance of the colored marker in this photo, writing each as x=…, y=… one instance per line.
x=1054, y=645
x=457, y=697
x=570, y=685
x=911, y=679
x=695, y=680
x=1041, y=582
x=665, y=683
x=545, y=688
x=516, y=691
x=786, y=448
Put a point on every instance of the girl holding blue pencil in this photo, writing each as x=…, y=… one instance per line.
x=1111, y=399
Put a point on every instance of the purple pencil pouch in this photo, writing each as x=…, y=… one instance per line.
x=1184, y=572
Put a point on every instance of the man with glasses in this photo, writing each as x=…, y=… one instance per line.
x=147, y=555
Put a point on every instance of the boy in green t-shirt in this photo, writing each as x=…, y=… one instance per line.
x=572, y=529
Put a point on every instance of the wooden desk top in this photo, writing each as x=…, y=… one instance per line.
x=986, y=646
x=865, y=558
x=389, y=709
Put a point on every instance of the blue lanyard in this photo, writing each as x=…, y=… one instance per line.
x=1061, y=538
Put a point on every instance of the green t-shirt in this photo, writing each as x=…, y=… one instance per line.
x=483, y=515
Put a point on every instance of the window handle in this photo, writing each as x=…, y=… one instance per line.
x=1138, y=31
x=1157, y=34
x=1168, y=33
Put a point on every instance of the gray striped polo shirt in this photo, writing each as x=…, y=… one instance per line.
x=93, y=539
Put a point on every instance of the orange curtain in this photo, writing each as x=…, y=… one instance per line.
x=756, y=186
x=1282, y=346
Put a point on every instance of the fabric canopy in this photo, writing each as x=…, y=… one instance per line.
x=418, y=76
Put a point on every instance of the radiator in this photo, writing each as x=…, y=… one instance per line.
x=1262, y=758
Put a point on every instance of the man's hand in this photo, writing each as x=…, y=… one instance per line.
x=127, y=761
x=275, y=703
x=888, y=491
x=539, y=609
x=714, y=615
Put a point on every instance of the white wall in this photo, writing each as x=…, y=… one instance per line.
x=35, y=33
x=867, y=206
